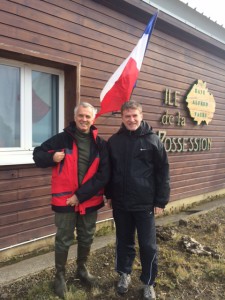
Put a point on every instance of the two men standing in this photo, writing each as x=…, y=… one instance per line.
x=138, y=188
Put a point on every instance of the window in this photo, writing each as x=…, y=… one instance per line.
x=31, y=109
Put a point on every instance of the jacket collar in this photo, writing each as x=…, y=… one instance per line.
x=143, y=129
x=72, y=128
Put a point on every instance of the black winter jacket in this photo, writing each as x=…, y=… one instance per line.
x=140, y=170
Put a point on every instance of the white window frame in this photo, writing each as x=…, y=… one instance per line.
x=24, y=154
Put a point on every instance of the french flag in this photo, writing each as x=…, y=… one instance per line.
x=119, y=87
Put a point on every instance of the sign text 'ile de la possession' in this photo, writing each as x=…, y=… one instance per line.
x=201, y=105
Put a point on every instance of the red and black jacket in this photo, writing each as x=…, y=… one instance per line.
x=65, y=173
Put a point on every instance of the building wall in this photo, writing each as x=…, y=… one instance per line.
x=98, y=38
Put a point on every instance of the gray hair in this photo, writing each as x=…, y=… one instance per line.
x=132, y=104
x=86, y=104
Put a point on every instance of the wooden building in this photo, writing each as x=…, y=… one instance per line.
x=55, y=53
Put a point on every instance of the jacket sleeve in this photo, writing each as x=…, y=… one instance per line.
x=162, y=177
x=108, y=190
x=91, y=187
x=43, y=154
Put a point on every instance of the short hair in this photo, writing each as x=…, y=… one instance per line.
x=86, y=104
x=132, y=104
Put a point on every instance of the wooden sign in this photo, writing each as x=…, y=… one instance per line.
x=201, y=103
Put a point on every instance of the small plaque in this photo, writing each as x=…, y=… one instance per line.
x=201, y=103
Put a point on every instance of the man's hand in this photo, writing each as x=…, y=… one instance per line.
x=158, y=210
x=58, y=156
x=72, y=201
x=108, y=202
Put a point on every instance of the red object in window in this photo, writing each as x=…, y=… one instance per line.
x=39, y=108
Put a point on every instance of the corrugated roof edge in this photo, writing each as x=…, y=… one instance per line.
x=184, y=13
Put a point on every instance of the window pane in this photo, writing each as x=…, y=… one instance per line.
x=9, y=106
x=44, y=106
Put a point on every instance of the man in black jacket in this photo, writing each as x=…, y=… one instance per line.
x=80, y=170
x=139, y=188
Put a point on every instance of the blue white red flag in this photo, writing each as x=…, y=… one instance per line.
x=119, y=87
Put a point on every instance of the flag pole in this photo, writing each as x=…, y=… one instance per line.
x=152, y=28
x=121, y=84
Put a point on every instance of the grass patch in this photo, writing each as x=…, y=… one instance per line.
x=182, y=275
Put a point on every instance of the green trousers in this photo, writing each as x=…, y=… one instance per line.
x=67, y=223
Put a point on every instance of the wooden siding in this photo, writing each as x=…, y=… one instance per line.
x=98, y=38
x=24, y=205
x=25, y=210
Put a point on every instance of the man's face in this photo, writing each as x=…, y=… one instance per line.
x=84, y=118
x=132, y=119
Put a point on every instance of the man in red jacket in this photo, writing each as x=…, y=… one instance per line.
x=80, y=170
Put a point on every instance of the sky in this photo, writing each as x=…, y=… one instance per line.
x=215, y=9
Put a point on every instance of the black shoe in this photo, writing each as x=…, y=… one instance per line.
x=123, y=284
x=84, y=275
x=60, y=285
x=60, y=282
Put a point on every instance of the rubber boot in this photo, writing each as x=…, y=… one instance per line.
x=82, y=271
x=60, y=283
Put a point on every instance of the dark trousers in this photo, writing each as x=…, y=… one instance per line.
x=67, y=222
x=127, y=222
